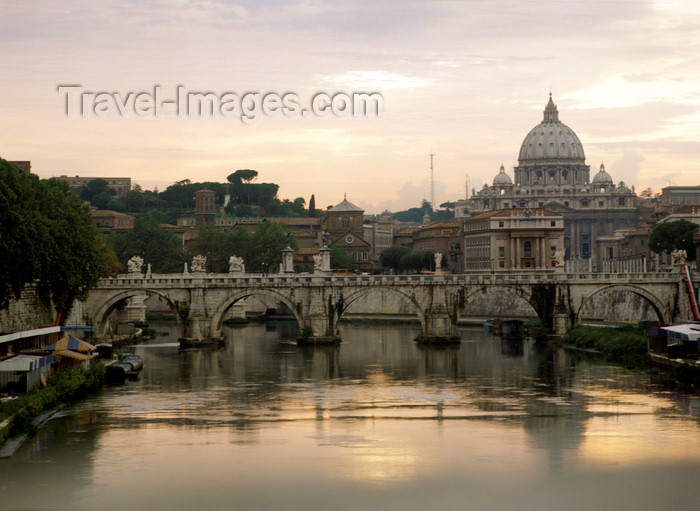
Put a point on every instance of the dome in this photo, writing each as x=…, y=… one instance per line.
x=551, y=140
x=502, y=178
x=602, y=177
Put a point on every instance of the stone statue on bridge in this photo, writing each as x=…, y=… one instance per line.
x=134, y=265
x=318, y=262
x=559, y=259
x=679, y=257
x=438, y=262
x=199, y=264
x=236, y=264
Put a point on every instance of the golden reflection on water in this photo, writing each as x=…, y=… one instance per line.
x=374, y=425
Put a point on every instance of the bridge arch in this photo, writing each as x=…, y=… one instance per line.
x=349, y=299
x=217, y=318
x=521, y=292
x=650, y=298
x=111, y=303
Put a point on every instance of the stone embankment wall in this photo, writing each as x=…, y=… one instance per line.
x=29, y=312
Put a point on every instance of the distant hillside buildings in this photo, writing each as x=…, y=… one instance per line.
x=120, y=184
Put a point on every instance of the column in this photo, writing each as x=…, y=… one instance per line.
x=543, y=253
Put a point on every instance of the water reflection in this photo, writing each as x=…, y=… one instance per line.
x=375, y=422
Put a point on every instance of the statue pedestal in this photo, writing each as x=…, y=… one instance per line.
x=287, y=261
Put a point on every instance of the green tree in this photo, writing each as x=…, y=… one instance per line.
x=158, y=247
x=391, y=256
x=134, y=199
x=47, y=238
x=219, y=245
x=417, y=261
x=241, y=181
x=340, y=259
x=94, y=187
x=110, y=261
x=243, y=175
x=313, y=212
x=676, y=235
x=266, y=245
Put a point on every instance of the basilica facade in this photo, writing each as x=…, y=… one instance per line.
x=552, y=174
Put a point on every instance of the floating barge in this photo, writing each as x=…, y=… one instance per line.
x=129, y=367
x=676, y=341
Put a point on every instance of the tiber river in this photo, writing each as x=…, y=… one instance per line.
x=377, y=423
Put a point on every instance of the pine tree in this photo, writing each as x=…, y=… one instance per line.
x=312, y=206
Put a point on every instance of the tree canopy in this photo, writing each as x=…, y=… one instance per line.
x=391, y=256
x=47, y=238
x=158, y=247
x=340, y=259
x=218, y=245
x=261, y=250
x=676, y=235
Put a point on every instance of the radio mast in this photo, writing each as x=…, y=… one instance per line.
x=432, y=182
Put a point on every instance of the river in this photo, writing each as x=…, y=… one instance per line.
x=376, y=423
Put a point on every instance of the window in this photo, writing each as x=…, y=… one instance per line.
x=553, y=223
x=346, y=223
x=364, y=256
x=500, y=224
x=600, y=203
x=501, y=252
x=552, y=251
x=527, y=249
x=501, y=264
x=621, y=201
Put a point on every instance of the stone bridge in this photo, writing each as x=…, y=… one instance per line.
x=200, y=301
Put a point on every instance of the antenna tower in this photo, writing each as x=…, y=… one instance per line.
x=432, y=182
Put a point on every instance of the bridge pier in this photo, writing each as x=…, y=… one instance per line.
x=562, y=323
x=196, y=325
x=440, y=327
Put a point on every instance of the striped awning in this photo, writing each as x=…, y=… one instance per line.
x=73, y=354
x=68, y=342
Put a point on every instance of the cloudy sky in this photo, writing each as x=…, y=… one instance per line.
x=465, y=80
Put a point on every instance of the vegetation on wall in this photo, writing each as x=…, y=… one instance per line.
x=625, y=344
x=65, y=387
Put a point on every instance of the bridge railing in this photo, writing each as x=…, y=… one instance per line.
x=295, y=279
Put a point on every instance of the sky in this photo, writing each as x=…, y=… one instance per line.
x=463, y=80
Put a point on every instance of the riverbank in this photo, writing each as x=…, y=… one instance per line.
x=21, y=415
x=628, y=346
